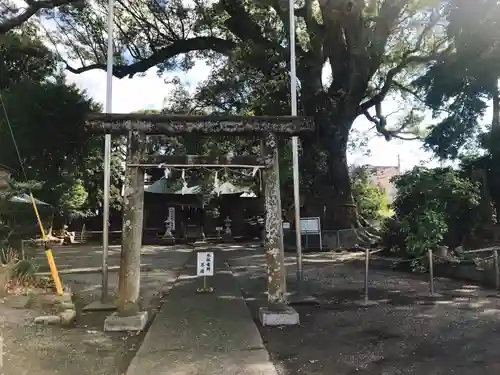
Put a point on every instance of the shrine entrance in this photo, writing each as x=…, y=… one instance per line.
x=139, y=126
x=206, y=207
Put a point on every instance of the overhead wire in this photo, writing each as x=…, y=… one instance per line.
x=48, y=249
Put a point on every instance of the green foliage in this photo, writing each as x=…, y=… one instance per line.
x=433, y=207
x=8, y=256
x=73, y=197
x=17, y=220
x=24, y=271
x=371, y=200
x=247, y=45
x=21, y=271
x=458, y=87
x=484, y=166
x=22, y=56
x=15, y=14
x=373, y=49
x=424, y=230
x=47, y=115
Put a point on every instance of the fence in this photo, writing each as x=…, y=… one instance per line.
x=432, y=262
x=332, y=239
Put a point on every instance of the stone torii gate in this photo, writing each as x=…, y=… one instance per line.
x=137, y=127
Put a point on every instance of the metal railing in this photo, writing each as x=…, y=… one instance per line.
x=431, y=263
x=430, y=257
x=494, y=256
x=330, y=239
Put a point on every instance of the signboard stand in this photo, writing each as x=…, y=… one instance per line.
x=311, y=226
x=205, y=267
x=308, y=226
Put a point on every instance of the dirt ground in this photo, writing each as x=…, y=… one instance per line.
x=406, y=333
x=83, y=348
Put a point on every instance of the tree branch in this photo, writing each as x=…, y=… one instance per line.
x=408, y=60
x=33, y=7
x=314, y=29
x=241, y=24
x=380, y=122
x=384, y=22
x=174, y=49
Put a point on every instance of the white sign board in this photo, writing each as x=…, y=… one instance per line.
x=310, y=225
x=171, y=216
x=286, y=225
x=205, y=264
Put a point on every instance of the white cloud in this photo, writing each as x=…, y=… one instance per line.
x=137, y=93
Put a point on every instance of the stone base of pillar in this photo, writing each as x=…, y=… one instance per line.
x=286, y=316
x=302, y=300
x=118, y=323
x=202, y=240
x=168, y=240
x=363, y=303
x=227, y=238
x=99, y=306
x=429, y=295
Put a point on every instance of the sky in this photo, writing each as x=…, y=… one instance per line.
x=149, y=92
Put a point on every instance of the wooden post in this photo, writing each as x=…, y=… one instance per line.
x=133, y=204
x=273, y=242
x=202, y=221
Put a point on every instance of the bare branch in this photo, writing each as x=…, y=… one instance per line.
x=417, y=96
x=33, y=8
x=406, y=61
x=414, y=138
x=380, y=122
x=174, y=49
x=388, y=14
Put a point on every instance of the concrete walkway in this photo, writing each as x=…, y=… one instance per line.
x=203, y=333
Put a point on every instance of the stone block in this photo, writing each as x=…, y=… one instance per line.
x=66, y=297
x=118, y=323
x=278, y=317
x=48, y=319
x=67, y=317
x=63, y=306
x=19, y=302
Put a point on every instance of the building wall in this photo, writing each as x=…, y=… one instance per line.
x=381, y=176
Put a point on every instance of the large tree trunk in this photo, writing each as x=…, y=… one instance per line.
x=495, y=123
x=340, y=209
x=325, y=166
x=496, y=106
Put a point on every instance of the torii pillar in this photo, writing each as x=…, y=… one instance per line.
x=137, y=126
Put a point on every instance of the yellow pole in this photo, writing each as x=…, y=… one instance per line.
x=48, y=251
